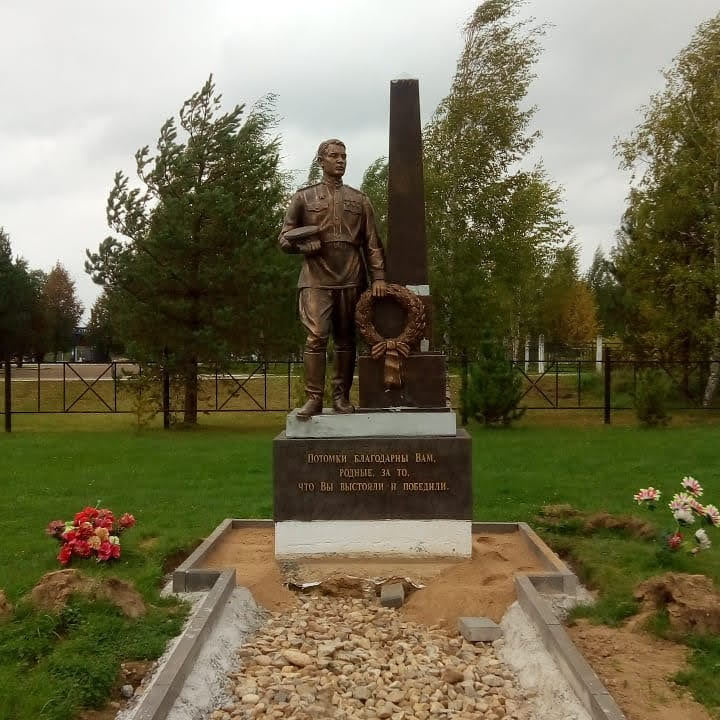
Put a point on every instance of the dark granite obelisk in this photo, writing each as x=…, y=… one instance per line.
x=407, y=245
x=424, y=383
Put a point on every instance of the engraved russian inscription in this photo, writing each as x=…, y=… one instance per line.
x=351, y=466
x=416, y=477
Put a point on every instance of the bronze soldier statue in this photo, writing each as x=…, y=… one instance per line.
x=333, y=226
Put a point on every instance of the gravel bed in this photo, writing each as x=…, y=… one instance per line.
x=351, y=658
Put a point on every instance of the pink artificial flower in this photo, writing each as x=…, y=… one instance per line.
x=127, y=520
x=681, y=501
x=85, y=530
x=82, y=548
x=674, y=541
x=647, y=495
x=692, y=486
x=55, y=529
x=86, y=515
x=712, y=514
x=696, y=507
x=105, y=551
x=104, y=521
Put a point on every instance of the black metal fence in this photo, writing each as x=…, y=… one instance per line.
x=257, y=385
x=245, y=386
x=610, y=384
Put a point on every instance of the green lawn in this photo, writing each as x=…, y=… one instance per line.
x=180, y=484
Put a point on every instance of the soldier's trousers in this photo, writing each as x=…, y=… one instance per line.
x=323, y=311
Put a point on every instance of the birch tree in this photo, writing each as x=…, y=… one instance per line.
x=674, y=208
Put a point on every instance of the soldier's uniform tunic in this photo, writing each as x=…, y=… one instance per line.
x=332, y=279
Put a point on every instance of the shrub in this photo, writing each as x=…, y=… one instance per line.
x=145, y=390
x=494, y=388
x=651, y=397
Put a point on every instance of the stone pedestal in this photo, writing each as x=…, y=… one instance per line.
x=373, y=482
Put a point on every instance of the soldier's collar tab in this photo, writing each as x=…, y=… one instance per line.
x=332, y=183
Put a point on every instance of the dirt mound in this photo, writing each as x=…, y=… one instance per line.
x=692, y=602
x=578, y=521
x=122, y=594
x=632, y=525
x=6, y=608
x=135, y=671
x=55, y=588
x=482, y=586
x=636, y=668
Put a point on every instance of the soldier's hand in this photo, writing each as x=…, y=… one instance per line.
x=311, y=246
x=379, y=288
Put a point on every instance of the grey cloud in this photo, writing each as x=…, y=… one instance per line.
x=85, y=84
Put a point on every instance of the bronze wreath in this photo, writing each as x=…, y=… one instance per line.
x=393, y=349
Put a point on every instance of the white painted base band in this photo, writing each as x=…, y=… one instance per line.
x=442, y=538
x=372, y=424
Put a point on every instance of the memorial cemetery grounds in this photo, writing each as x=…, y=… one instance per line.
x=179, y=485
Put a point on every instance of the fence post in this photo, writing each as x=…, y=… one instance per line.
x=599, y=354
x=607, y=370
x=289, y=387
x=541, y=354
x=8, y=397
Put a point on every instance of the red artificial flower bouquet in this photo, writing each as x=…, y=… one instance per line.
x=94, y=532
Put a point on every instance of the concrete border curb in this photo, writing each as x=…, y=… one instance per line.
x=167, y=684
x=577, y=671
x=189, y=576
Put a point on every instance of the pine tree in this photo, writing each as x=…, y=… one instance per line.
x=494, y=387
x=17, y=296
x=194, y=270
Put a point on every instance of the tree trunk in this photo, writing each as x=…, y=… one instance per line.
x=686, y=367
x=714, y=377
x=8, y=395
x=191, y=393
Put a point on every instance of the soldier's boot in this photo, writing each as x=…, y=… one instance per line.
x=342, y=380
x=314, y=363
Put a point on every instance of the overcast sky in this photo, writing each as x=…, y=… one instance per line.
x=84, y=83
